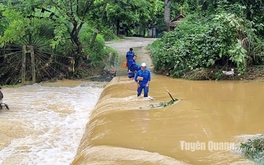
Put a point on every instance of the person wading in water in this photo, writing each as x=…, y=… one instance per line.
x=142, y=79
x=129, y=55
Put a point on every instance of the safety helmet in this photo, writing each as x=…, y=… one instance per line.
x=143, y=64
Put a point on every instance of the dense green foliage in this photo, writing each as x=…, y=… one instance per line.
x=221, y=40
x=60, y=39
x=131, y=17
x=254, y=149
x=68, y=37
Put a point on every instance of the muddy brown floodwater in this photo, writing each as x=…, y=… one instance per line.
x=205, y=127
x=104, y=123
x=46, y=121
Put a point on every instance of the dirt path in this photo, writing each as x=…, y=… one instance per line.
x=139, y=46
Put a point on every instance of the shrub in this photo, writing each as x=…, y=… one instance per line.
x=254, y=149
x=198, y=42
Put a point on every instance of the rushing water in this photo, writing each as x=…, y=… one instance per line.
x=45, y=122
x=81, y=123
x=216, y=116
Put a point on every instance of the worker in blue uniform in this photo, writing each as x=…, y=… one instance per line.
x=133, y=67
x=129, y=55
x=142, y=78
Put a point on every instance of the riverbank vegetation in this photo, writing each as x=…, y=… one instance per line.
x=45, y=40
x=211, y=39
x=254, y=149
x=52, y=39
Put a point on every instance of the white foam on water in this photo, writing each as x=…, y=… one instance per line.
x=54, y=118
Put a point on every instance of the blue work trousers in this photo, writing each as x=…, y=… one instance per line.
x=146, y=90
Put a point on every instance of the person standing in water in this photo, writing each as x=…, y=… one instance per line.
x=129, y=56
x=142, y=78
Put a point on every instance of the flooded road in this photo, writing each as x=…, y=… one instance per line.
x=92, y=123
x=205, y=127
x=124, y=129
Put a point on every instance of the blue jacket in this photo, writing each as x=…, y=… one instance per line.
x=132, y=65
x=129, y=55
x=146, y=77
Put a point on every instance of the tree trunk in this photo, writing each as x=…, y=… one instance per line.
x=117, y=27
x=167, y=14
x=33, y=65
x=75, y=38
x=23, y=69
x=98, y=26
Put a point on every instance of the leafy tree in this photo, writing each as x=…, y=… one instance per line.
x=54, y=30
x=71, y=15
x=128, y=14
x=167, y=12
x=23, y=30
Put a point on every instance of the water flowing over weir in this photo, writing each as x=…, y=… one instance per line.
x=205, y=127
x=45, y=122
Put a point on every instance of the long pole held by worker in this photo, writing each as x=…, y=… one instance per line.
x=169, y=93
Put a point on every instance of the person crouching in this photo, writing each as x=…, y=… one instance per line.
x=132, y=67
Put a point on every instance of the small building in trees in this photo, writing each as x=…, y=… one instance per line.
x=152, y=32
x=175, y=21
